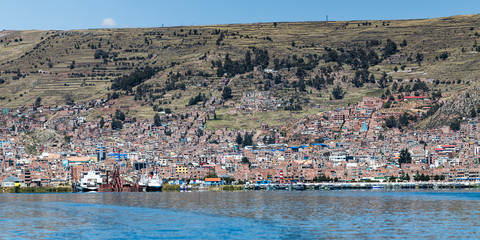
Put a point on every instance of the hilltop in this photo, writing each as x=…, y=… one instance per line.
x=293, y=68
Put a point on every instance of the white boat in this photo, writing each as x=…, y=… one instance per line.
x=89, y=181
x=143, y=181
x=377, y=186
x=151, y=182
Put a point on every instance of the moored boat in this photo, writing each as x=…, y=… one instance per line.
x=151, y=182
x=90, y=181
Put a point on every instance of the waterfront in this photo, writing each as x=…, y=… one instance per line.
x=243, y=215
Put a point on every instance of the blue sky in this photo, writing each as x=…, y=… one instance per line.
x=81, y=14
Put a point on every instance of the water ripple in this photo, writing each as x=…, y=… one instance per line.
x=242, y=215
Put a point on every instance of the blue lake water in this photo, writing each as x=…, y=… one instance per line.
x=349, y=214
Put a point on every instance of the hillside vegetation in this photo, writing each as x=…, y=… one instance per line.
x=303, y=67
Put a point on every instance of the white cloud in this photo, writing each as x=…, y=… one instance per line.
x=109, y=22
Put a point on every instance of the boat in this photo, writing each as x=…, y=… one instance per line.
x=262, y=185
x=185, y=187
x=89, y=181
x=377, y=186
x=299, y=186
x=151, y=182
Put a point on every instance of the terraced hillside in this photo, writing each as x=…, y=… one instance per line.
x=294, y=65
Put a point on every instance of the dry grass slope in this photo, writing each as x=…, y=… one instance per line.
x=55, y=65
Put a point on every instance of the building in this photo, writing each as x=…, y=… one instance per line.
x=213, y=181
x=12, y=181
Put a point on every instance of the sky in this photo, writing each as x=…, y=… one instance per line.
x=83, y=14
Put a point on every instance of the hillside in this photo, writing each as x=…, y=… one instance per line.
x=294, y=66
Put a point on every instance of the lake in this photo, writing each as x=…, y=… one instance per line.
x=335, y=214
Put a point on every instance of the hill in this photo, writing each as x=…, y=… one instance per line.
x=273, y=71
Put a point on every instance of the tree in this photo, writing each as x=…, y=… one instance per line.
x=102, y=122
x=127, y=82
x=406, y=177
x=403, y=119
x=115, y=95
x=322, y=178
x=248, y=61
x=382, y=82
x=195, y=100
x=100, y=53
x=381, y=137
x=69, y=100
x=38, y=102
x=420, y=85
x=387, y=104
x=248, y=140
x=419, y=58
x=119, y=115
x=117, y=124
x=239, y=139
x=271, y=139
x=455, y=125
x=301, y=85
x=332, y=56
x=405, y=156
x=390, y=48
x=227, y=93
x=361, y=77
x=391, y=122
x=300, y=73
x=220, y=39
x=338, y=92
x=245, y=161
x=473, y=113
x=421, y=177
x=443, y=55
x=220, y=71
x=157, y=121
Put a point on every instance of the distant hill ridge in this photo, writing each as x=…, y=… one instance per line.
x=305, y=64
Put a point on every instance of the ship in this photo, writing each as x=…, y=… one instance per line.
x=90, y=181
x=150, y=182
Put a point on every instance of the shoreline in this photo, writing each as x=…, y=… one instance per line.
x=60, y=189
x=277, y=187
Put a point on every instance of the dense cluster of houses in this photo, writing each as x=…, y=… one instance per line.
x=49, y=146
x=260, y=101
